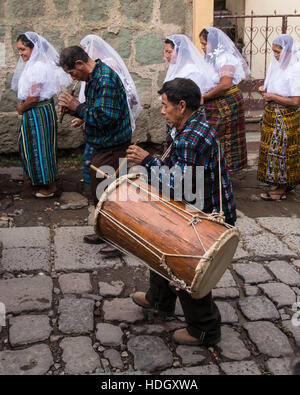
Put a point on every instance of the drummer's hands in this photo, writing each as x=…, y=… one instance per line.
x=136, y=154
x=69, y=102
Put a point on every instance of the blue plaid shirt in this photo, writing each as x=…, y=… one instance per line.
x=196, y=145
x=105, y=111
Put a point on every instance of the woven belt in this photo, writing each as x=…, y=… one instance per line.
x=43, y=103
x=233, y=89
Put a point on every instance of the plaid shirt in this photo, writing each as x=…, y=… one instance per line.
x=197, y=145
x=105, y=111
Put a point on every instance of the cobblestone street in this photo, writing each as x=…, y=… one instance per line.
x=69, y=311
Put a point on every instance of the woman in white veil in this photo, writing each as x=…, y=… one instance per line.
x=187, y=62
x=37, y=78
x=279, y=161
x=97, y=48
x=224, y=106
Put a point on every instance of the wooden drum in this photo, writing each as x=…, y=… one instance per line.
x=189, y=248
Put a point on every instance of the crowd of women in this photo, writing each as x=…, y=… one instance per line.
x=217, y=72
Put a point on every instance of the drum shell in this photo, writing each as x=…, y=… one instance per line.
x=152, y=231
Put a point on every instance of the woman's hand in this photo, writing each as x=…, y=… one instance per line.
x=268, y=96
x=20, y=109
x=76, y=122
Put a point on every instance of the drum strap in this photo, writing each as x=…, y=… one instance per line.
x=214, y=216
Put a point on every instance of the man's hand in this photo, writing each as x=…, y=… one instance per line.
x=69, y=102
x=136, y=154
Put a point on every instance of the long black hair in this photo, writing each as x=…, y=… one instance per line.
x=25, y=41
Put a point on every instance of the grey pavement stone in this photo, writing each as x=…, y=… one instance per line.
x=72, y=254
x=36, y=360
x=279, y=366
x=225, y=293
x=241, y=253
x=26, y=294
x=226, y=280
x=266, y=246
x=268, y=339
x=122, y=310
x=251, y=290
x=295, y=330
x=73, y=201
x=26, y=259
x=274, y=224
x=243, y=368
x=204, y=370
x=252, y=273
x=115, y=288
x=232, y=347
x=296, y=263
x=109, y=335
x=150, y=353
x=28, y=329
x=248, y=226
x=25, y=237
x=76, y=315
x=293, y=242
x=228, y=313
x=132, y=261
x=191, y=354
x=79, y=355
x=285, y=273
x=257, y=308
x=114, y=358
x=75, y=283
x=281, y=294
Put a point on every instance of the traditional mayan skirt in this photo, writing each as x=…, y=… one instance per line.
x=279, y=161
x=226, y=115
x=38, y=143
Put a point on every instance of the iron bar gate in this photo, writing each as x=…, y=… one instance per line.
x=253, y=36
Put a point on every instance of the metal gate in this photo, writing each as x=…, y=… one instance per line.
x=253, y=36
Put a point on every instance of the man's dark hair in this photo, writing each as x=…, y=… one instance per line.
x=25, y=41
x=182, y=89
x=70, y=55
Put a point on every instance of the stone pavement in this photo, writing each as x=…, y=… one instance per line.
x=68, y=311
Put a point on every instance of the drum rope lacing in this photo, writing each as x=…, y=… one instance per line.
x=193, y=221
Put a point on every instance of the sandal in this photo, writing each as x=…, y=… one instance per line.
x=41, y=195
x=268, y=197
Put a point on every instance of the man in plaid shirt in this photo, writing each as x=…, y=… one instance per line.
x=194, y=144
x=106, y=115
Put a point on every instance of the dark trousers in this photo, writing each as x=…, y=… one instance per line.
x=110, y=158
x=202, y=316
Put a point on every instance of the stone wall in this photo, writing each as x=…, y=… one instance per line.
x=135, y=28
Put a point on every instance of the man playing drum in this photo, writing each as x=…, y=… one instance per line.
x=195, y=144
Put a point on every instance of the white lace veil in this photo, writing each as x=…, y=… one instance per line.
x=223, y=55
x=287, y=66
x=188, y=62
x=40, y=75
x=97, y=48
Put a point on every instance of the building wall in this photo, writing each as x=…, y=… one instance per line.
x=135, y=28
x=267, y=7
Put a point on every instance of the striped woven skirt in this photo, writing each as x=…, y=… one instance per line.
x=226, y=115
x=38, y=143
x=279, y=161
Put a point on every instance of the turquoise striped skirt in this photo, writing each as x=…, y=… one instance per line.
x=38, y=143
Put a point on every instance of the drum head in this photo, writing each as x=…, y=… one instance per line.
x=214, y=263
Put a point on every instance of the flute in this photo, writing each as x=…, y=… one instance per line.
x=63, y=109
